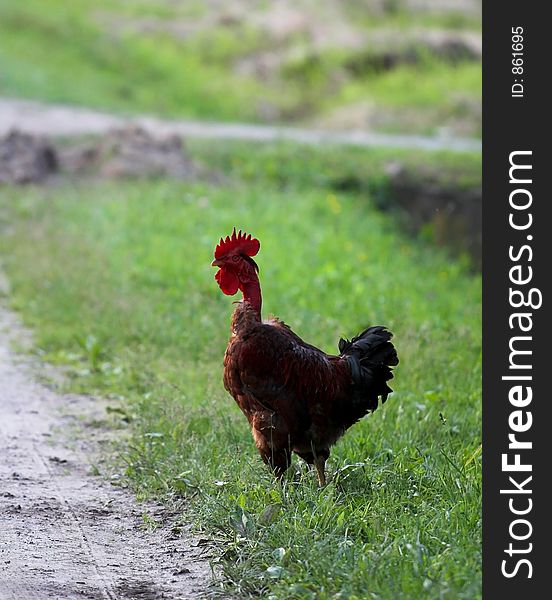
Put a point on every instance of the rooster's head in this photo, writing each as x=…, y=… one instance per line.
x=233, y=257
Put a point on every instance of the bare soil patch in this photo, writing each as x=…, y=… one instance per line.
x=448, y=212
x=26, y=158
x=127, y=152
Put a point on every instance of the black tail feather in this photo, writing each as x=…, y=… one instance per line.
x=371, y=356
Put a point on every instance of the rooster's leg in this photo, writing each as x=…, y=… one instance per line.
x=320, y=463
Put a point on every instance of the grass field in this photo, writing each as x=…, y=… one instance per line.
x=237, y=61
x=115, y=280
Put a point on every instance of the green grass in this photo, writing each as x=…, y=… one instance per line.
x=124, y=56
x=114, y=279
x=109, y=70
x=333, y=167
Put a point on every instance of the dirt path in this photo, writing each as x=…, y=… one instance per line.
x=65, y=533
x=46, y=119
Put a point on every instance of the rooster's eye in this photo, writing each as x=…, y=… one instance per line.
x=235, y=258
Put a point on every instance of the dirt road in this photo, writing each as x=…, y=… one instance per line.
x=65, y=533
x=52, y=119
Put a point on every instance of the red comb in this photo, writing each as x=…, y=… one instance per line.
x=239, y=242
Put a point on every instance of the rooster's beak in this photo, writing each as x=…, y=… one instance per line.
x=216, y=263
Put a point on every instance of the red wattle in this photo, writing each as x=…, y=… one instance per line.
x=228, y=282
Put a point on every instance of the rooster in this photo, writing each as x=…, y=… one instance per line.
x=296, y=397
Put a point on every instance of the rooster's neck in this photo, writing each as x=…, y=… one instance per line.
x=252, y=294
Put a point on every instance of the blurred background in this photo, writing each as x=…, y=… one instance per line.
x=359, y=67
x=406, y=66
